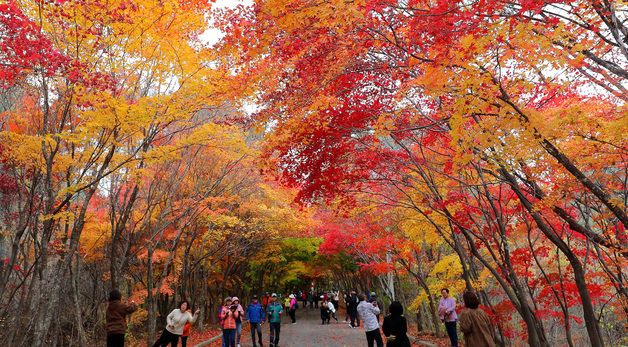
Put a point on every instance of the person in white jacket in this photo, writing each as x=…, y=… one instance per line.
x=174, y=325
x=368, y=314
x=332, y=309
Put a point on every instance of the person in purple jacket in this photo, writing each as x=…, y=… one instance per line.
x=447, y=315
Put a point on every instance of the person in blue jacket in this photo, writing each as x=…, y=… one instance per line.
x=256, y=315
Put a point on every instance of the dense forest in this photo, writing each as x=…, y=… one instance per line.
x=377, y=145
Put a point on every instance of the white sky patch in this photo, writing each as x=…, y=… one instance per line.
x=212, y=35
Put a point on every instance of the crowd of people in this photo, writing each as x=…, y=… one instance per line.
x=366, y=308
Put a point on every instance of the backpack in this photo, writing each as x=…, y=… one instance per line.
x=296, y=304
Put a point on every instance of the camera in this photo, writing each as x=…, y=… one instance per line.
x=233, y=307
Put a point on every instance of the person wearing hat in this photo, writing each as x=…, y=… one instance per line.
x=229, y=315
x=256, y=315
x=292, y=308
x=274, y=310
x=236, y=301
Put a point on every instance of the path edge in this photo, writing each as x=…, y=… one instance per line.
x=207, y=342
x=421, y=342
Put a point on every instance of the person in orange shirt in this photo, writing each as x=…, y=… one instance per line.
x=229, y=315
x=186, y=332
x=265, y=300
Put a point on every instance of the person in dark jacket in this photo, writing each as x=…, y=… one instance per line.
x=325, y=312
x=116, y=318
x=256, y=315
x=395, y=327
x=352, y=309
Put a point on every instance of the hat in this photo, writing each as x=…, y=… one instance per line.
x=274, y=295
x=235, y=298
x=228, y=299
x=373, y=294
x=254, y=296
x=291, y=296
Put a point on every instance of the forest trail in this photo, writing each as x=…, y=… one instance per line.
x=309, y=332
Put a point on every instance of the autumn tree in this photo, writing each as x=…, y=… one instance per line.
x=465, y=113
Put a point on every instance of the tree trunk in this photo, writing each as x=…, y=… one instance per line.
x=150, y=300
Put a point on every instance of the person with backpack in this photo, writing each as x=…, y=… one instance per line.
x=274, y=311
x=116, y=318
x=255, y=315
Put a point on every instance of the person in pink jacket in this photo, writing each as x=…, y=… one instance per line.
x=293, y=308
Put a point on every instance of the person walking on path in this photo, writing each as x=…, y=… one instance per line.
x=447, y=315
x=332, y=311
x=229, y=315
x=311, y=298
x=116, y=318
x=274, y=319
x=175, y=322
x=335, y=300
x=265, y=300
x=255, y=315
x=236, y=301
x=347, y=299
x=292, y=308
x=317, y=297
x=395, y=326
x=352, y=309
x=475, y=324
x=368, y=313
x=304, y=299
x=325, y=313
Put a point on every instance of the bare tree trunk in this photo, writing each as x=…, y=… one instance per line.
x=77, y=304
x=150, y=300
